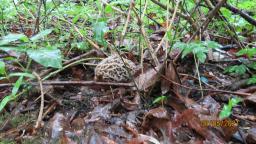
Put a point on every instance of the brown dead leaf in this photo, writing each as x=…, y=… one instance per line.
x=149, y=78
x=131, y=104
x=251, y=99
x=159, y=118
x=172, y=75
x=155, y=114
x=251, y=137
x=188, y=116
x=143, y=139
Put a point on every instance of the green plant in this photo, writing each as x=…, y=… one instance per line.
x=237, y=69
x=200, y=49
x=227, y=109
x=46, y=56
x=13, y=95
x=243, y=68
x=160, y=99
x=252, y=80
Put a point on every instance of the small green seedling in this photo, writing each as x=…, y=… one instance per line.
x=13, y=95
x=227, y=109
x=160, y=99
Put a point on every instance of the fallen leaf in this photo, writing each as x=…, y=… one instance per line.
x=149, y=78
x=172, y=75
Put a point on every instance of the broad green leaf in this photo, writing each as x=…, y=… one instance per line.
x=201, y=56
x=2, y=68
x=226, y=112
x=13, y=37
x=211, y=44
x=186, y=51
x=227, y=109
x=22, y=74
x=82, y=46
x=99, y=30
x=46, y=57
x=41, y=34
x=234, y=101
x=180, y=45
x=18, y=49
x=108, y=9
x=13, y=95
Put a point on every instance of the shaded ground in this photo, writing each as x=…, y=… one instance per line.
x=168, y=104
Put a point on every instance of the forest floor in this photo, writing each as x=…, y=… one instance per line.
x=180, y=90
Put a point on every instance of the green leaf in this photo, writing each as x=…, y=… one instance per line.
x=108, y=9
x=226, y=112
x=227, y=109
x=82, y=46
x=13, y=37
x=211, y=44
x=13, y=95
x=76, y=18
x=41, y=35
x=5, y=101
x=252, y=80
x=186, y=51
x=17, y=86
x=238, y=69
x=99, y=29
x=16, y=49
x=201, y=56
x=180, y=45
x=22, y=74
x=2, y=68
x=159, y=99
x=46, y=57
x=250, y=52
x=234, y=101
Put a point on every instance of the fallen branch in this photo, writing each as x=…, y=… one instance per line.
x=244, y=15
x=81, y=83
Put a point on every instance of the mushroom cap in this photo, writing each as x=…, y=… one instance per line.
x=113, y=69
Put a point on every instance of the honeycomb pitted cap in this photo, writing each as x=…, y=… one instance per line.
x=113, y=69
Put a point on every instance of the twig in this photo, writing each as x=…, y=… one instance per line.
x=87, y=39
x=185, y=16
x=81, y=83
x=197, y=79
x=232, y=31
x=209, y=18
x=68, y=65
x=36, y=30
x=169, y=27
x=203, y=27
x=115, y=8
x=127, y=21
x=71, y=61
x=213, y=90
x=40, y=115
x=244, y=15
x=151, y=50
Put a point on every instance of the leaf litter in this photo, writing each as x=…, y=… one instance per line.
x=116, y=114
